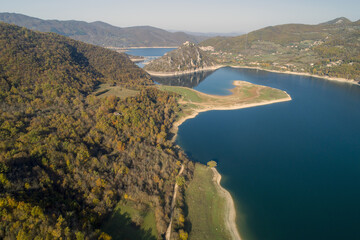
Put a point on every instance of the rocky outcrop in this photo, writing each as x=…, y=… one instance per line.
x=187, y=58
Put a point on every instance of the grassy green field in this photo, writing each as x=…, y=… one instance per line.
x=120, y=224
x=206, y=207
x=271, y=94
x=188, y=94
x=107, y=90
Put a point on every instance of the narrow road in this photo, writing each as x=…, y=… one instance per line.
x=168, y=231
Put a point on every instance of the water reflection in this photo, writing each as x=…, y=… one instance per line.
x=187, y=80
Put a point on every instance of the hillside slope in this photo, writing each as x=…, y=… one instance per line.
x=29, y=59
x=103, y=34
x=188, y=57
x=67, y=157
x=327, y=49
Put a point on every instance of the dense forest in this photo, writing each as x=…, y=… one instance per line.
x=66, y=156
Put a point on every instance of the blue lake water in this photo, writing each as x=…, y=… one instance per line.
x=149, y=53
x=293, y=168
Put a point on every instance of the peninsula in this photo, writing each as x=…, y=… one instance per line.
x=244, y=95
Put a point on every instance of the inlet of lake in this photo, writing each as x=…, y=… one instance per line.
x=292, y=168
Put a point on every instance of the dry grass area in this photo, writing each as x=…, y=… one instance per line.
x=121, y=92
x=243, y=93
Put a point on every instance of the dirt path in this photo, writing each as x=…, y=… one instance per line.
x=230, y=213
x=173, y=202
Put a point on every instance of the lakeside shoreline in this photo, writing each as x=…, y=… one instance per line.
x=165, y=74
x=126, y=48
x=168, y=74
x=151, y=47
x=195, y=112
x=344, y=80
x=230, y=219
x=230, y=211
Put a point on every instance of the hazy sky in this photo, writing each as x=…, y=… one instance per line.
x=190, y=15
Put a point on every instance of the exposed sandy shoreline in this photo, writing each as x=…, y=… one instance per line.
x=344, y=80
x=151, y=47
x=136, y=60
x=176, y=125
x=230, y=211
x=166, y=74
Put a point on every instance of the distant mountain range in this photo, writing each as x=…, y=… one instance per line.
x=212, y=34
x=103, y=34
x=283, y=34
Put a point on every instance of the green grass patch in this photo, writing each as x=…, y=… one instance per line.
x=206, y=207
x=120, y=224
x=106, y=89
x=187, y=93
x=271, y=94
x=246, y=91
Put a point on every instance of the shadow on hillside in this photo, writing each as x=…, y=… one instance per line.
x=120, y=227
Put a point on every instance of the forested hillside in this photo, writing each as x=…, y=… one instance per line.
x=66, y=156
x=328, y=49
x=103, y=34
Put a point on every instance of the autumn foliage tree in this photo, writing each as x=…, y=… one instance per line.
x=66, y=156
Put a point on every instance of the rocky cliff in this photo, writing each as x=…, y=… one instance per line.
x=187, y=58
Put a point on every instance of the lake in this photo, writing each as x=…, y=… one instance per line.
x=149, y=53
x=293, y=168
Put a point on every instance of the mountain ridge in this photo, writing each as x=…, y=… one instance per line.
x=329, y=49
x=340, y=20
x=103, y=34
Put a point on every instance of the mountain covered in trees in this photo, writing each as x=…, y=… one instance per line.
x=68, y=157
x=103, y=34
x=188, y=57
x=327, y=49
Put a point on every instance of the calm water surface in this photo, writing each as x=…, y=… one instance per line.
x=149, y=53
x=293, y=168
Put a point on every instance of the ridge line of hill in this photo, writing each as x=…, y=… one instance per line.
x=103, y=34
x=330, y=49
